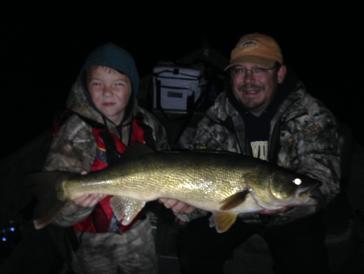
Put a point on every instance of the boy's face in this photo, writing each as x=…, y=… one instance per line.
x=110, y=91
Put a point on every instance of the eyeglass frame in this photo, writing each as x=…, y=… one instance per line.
x=253, y=70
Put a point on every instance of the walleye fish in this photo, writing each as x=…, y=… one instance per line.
x=226, y=184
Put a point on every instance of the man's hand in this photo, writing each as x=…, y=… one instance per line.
x=177, y=206
x=88, y=200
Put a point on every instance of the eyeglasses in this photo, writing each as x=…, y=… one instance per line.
x=255, y=71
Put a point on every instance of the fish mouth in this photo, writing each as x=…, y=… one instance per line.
x=308, y=190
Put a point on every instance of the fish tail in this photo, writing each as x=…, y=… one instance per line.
x=46, y=187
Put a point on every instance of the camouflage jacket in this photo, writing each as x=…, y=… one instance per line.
x=73, y=149
x=303, y=137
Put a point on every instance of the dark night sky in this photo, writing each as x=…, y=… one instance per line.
x=40, y=61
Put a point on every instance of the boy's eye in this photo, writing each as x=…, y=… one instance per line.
x=95, y=83
x=119, y=83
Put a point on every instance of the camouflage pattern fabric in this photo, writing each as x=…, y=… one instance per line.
x=132, y=252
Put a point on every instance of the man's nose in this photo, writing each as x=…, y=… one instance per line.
x=249, y=76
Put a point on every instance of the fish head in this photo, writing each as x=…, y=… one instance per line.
x=291, y=188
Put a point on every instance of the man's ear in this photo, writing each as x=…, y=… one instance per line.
x=282, y=71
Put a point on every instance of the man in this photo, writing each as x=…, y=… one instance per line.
x=267, y=114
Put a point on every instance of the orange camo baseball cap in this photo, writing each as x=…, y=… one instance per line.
x=256, y=48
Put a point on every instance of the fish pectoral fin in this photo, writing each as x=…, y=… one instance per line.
x=126, y=209
x=235, y=199
x=222, y=220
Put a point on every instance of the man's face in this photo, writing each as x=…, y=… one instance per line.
x=254, y=85
x=110, y=91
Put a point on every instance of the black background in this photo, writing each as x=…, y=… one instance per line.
x=40, y=59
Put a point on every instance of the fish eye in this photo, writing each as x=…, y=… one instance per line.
x=297, y=181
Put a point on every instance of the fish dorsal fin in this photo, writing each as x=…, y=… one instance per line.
x=222, y=220
x=126, y=209
x=235, y=199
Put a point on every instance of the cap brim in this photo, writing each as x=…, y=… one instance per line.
x=268, y=63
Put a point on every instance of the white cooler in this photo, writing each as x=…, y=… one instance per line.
x=176, y=88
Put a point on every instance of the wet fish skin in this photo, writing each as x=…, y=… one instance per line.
x=225, y=184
